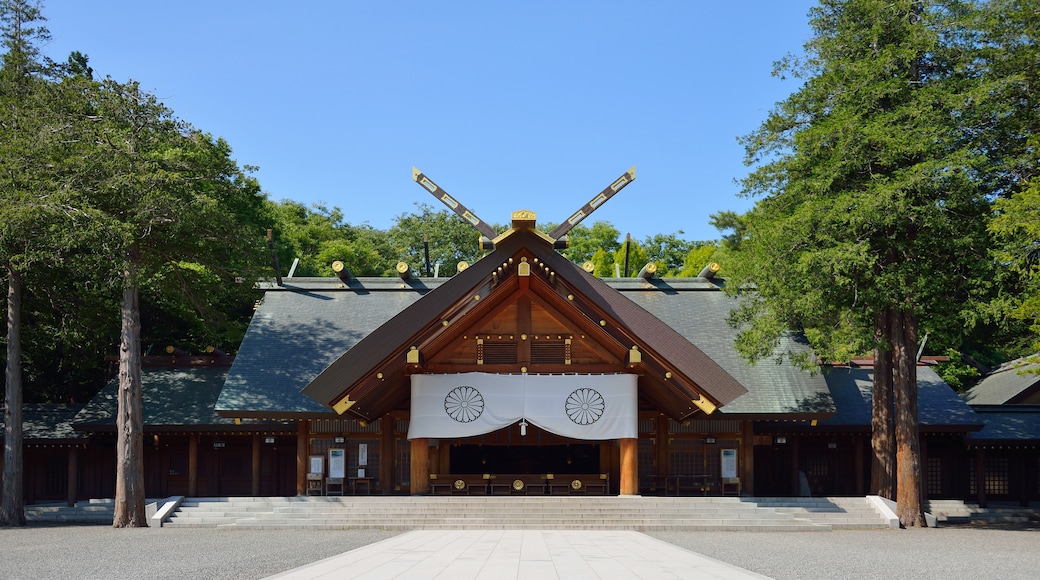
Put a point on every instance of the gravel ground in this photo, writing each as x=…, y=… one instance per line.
x=102, y=552
x=943, y=553
x=85, y=552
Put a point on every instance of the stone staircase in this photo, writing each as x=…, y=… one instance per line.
x=839, y=513
x=94, y=511
x=955, y=511
x=628, y=513
x=645, y=514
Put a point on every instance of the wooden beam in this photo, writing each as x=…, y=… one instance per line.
x=453, y=204
x=608, y=192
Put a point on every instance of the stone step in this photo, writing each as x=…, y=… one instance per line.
x=440, y=512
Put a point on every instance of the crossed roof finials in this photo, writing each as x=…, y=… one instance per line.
x=559, y=232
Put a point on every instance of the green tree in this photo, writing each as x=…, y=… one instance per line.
x=870, y=222
x=630, y=255
x=318, y=236
x=669, y=252
x=1009, y=116
x=25, y=153
x=176, y=211
x=699, y=256
x=584, y=241
x=1016, y=229
x=451, y=239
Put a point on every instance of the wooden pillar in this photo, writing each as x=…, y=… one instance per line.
x=388, y=454
x=302, y=455
x=609, y=463
x=256, y=465
x=980, y=476
x=30, y=466
x=1022, y=468
x=663, y=459
x=922, y=443
x=796, y=487
x=434, y=462
x=193, y=465
x=747, y=457
x=629, y=466
x=444, y=457
x=73, y=475
x=420, y=472
x=859, y=445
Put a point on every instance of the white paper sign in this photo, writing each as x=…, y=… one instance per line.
x=729, y=463
x=337, y=463
x=317, y=464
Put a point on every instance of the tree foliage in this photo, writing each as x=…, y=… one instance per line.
x=179, y=218
x=26, y=194
x=451, y=240
x=871, y=219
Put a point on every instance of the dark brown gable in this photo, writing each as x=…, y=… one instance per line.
x=522, y=331
x=523, y=308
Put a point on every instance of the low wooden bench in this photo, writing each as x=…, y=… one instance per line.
x=578, y=484
x=458, y=485
x=518, y=484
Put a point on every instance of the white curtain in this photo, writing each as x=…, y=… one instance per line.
x=589, y=407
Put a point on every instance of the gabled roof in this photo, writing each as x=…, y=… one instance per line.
x=697, y=309
x=350, y=378
x=47, y=423
x=1007, y=425
x=301, y=328
x=938, y=406
x=1014, y=382
x=172, y=398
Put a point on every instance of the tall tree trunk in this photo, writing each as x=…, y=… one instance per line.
x=130, y=495
x=909, y=500
x=12, y=510
x=883, y=427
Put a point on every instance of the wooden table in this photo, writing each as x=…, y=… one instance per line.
x=674, y=483
x=365, y=482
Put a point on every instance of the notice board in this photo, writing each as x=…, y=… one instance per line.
x=729, y=463
x=337, y=462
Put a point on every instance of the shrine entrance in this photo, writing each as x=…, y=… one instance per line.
x=525, y=459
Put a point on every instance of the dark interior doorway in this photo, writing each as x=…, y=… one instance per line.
x=574, y=458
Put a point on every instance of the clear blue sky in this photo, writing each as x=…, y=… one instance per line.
x=506, y=105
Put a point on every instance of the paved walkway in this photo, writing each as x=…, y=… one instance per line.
x=497, y=554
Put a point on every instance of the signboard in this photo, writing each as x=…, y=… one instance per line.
x=729, y=463
x=337, y=463
x=317, y=464
x=362, y=455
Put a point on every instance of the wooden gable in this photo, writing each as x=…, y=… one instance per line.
x=520, y=330
x=523, y=309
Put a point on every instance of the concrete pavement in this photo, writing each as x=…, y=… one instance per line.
x=497, y=554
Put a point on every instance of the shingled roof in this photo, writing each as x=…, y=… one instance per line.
x=587, y=298
x=697, y=309
x=1007, y=425
x=172, y=399
x=313, y=337
x=938, y=406
x=1015, y=382
x=47, y=423
x=298, y=330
